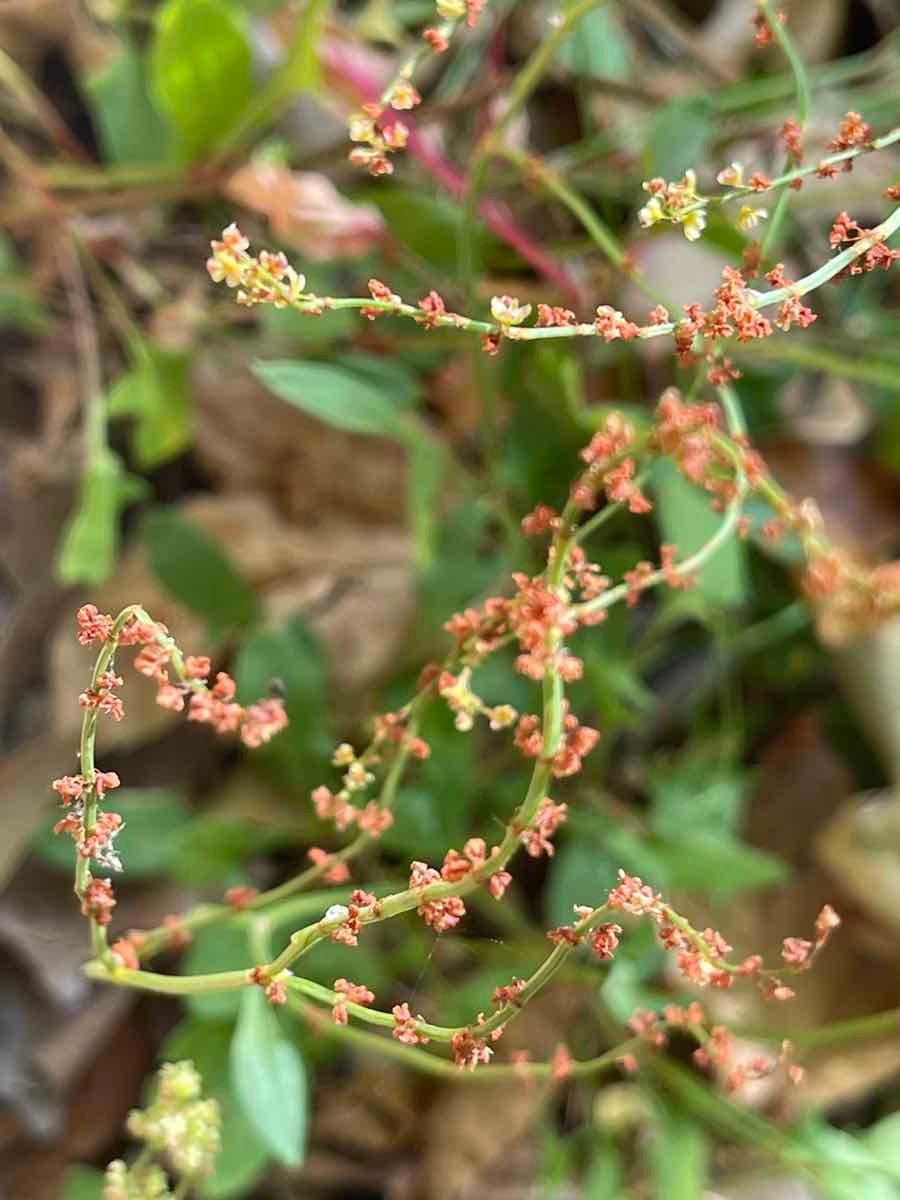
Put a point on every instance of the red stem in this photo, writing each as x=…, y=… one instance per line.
x=352, y=70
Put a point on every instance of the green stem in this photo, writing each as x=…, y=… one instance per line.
x=599, y=232
x=801, y=83
x=430, y=1064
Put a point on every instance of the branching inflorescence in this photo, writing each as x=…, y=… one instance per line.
x=543, y=617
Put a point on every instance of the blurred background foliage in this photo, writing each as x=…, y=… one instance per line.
x=309, y=499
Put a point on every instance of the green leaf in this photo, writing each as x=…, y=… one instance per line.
x=854, y=1168
x=428, y=225
x=678, y=135
x=581, y=873
x=697, y=794
x=334, y=395
x=679, y=1155
x=425, y=474
x=598, y=48
x=196, y=570
x=200, y=71
x=90, y=540
x=131, y=127
x=686, y=519
x=82, y=1183
x=605, y=1179
x=155, y=820
x=156, y=393
x=293, y=655
x=269, y=1079
x=220, y=948
x=244, y=1155
x=716, y=865
x=213, y=847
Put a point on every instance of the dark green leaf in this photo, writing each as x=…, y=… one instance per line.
x=581, y=873
x=200, y=70
x=131, y=127
x=156, y=393
x=213, y=847
x=269, y=1079
x=90, y=540
x=429, y=225
x=196, y=570
x=243, y=1155
x=293, y=655
x=334, y=395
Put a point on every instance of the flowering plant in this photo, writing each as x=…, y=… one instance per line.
x=545, y=615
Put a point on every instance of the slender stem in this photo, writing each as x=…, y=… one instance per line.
x=801, y=82
x=429, y=1064
x=522, y=87
x=789, y=177
x=316, y=305
x=599, y=232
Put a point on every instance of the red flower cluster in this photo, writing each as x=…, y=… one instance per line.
x=347, y=933
x=537, y=837
x=578, y=741
x=405, y=1026
x=348, y=993
x=441, y=913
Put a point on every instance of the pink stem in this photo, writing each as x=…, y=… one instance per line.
x=352, y=69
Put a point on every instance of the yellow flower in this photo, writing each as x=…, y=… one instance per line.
x=693, y=223
x=749, y=217
x=506, y=310
x=651, y=212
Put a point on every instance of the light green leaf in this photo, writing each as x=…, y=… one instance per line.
x=686, y=519
x=268, y=1076
x=679, y=1155
x=716, y=865
x=155, y=819
x=156, y=393
x=700, y=795
x=220, y=948
x=598, y=48
x=244, y=1155
x=425, y=474
x=196, y=570
x=131, y=127
x=200, y=71
x=91, y=537
x=334, y=395
x=82, y=1183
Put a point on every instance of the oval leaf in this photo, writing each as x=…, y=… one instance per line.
x=200, y=67
x=196, y=570
x=268, y=1077
x=334, y=395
